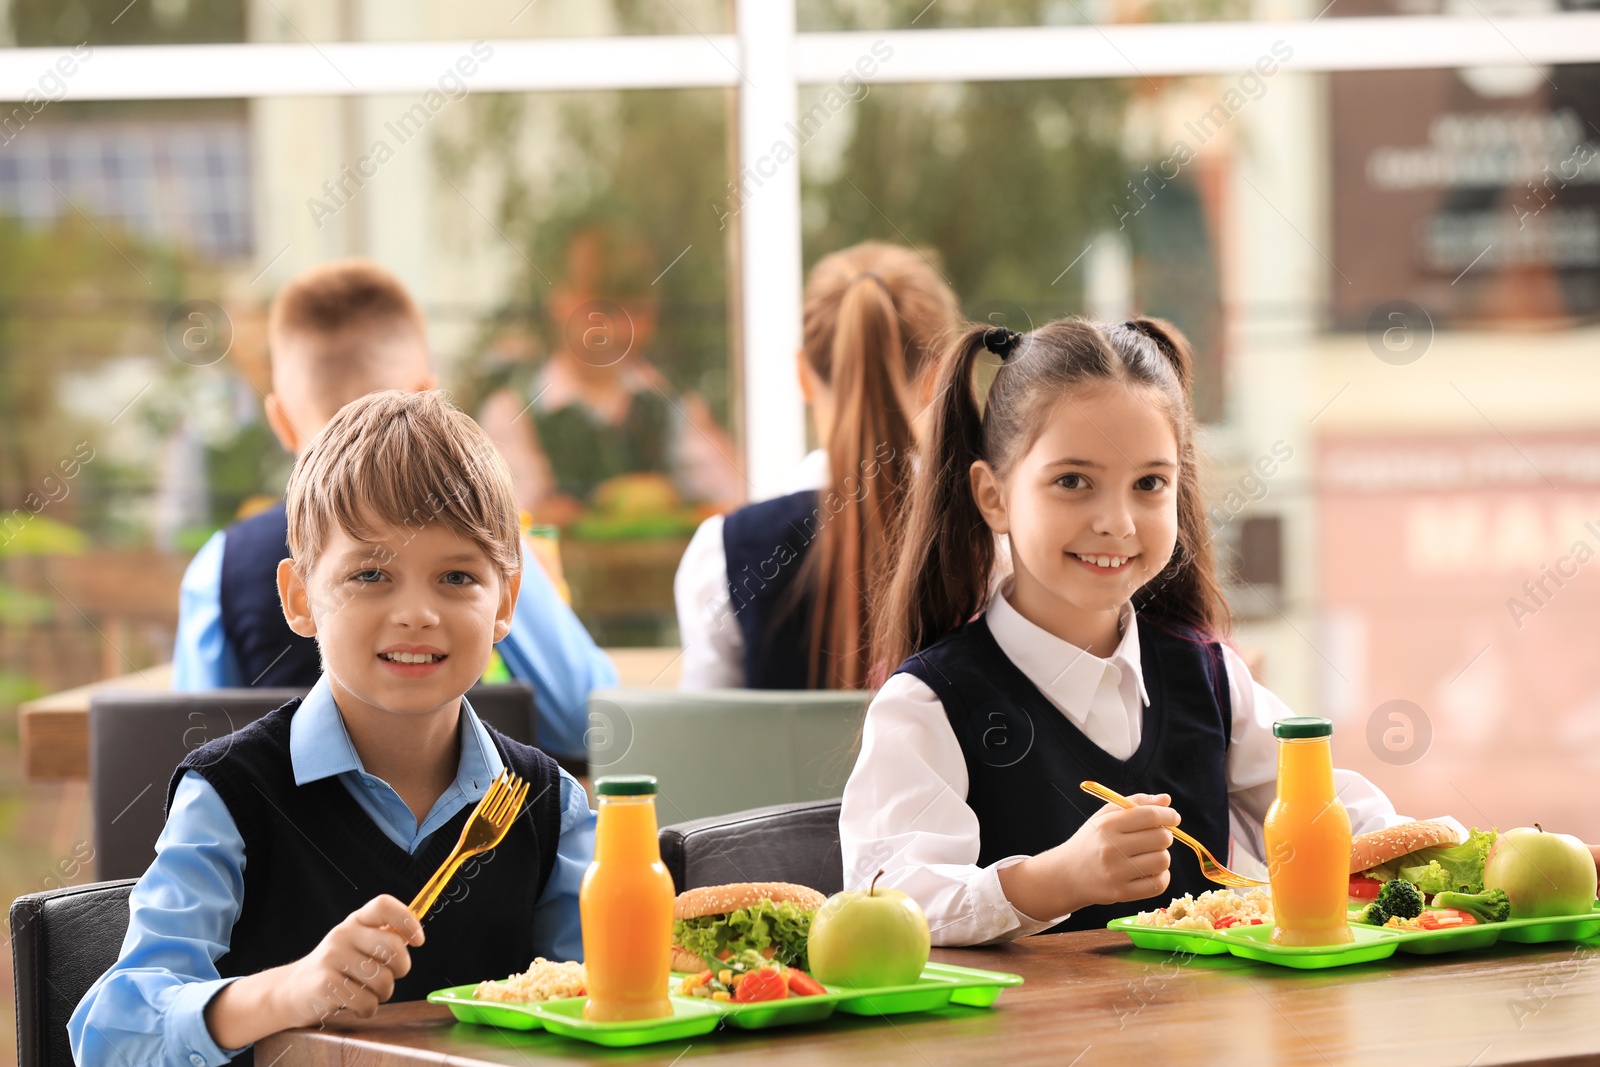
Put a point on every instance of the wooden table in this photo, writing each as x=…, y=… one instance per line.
x=1091, y=998
x=55, y=729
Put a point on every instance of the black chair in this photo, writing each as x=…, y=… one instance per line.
x=787, y=843
x=61, y=941
x=138, y=737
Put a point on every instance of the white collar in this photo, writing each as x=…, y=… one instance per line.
x=1062, y=671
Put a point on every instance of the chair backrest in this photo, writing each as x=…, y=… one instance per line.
x=786, y=843
x=138, y=737
x=724, y=750
x=61, y=941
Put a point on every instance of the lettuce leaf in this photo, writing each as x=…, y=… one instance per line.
x=1452, y=868
x=782, y=927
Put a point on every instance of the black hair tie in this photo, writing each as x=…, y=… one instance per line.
x=1163, y=345
x=1001, y=341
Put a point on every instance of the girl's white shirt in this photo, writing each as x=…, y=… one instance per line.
x=905, y=810
x=708, y=632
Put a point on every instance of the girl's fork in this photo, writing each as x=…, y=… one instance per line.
x=1209, y=867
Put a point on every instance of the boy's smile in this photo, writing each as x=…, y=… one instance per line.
x=405, y=622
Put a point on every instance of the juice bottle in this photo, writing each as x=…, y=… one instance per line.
x=626, y=907
x=1307, y=835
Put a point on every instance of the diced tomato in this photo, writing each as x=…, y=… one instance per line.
x=765, y=984
x=802, y=984
x=1256, y=922
x=1445, y=919
x=1224, y=922
x=1364, y=888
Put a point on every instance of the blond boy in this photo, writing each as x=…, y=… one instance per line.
x=275, y=897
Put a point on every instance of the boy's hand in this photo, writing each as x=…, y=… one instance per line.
x=1118, y=854
x=354, y=968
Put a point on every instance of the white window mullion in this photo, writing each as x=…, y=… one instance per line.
x=769, y=243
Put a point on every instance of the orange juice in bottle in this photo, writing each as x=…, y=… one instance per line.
x=1307, y=836
x=626, y=907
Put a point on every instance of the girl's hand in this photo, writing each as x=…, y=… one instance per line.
x=1117, y=855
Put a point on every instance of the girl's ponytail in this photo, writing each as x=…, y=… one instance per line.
x=869, y=457
x=946, y=552
x=875, y=315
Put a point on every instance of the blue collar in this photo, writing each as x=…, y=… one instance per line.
x=320, y=746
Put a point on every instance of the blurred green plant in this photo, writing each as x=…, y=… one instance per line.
x=45, y=23
x=71, y=295
x=40, y=535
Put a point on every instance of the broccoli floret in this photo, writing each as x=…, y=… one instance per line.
x=1401, y=898
x=1489, y=906
x=1373, y=914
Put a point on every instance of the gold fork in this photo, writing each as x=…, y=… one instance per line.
x=487, y=827
x=1209, y=867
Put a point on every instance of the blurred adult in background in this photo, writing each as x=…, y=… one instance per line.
x=596, y=421
x=335, y=333
x=777, y=595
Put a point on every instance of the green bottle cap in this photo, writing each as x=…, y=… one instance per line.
x=1303, y=726
x=626, y=785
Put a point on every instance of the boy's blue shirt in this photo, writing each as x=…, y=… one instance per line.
x=547, y=647
x=149, y=1008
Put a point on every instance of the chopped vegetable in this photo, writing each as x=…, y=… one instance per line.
x=802, y=984
x=1445, y=919
x=1364, y=888
x=765, y=984
x=1372, y=915
x=1400, y=898
x=1489, y=906
x=747, y=978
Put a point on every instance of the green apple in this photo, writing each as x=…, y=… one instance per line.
x=1543, y=874
x=867, y=938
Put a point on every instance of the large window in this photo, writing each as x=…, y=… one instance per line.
x=1377, y=222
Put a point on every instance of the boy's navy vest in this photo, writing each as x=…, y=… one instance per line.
x=765, y=544
x=313, y=856
x=1025, y=758
x=268, y=652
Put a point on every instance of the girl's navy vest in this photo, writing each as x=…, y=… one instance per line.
x=765, y=544
x=313, y=856
x=1025, y=758
x=269, y=654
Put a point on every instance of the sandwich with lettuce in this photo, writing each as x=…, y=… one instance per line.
x=720, y=921
x=1428, y=854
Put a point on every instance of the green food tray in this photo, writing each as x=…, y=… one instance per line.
x=940, y=985
x=1372, y=942
x=690, y=1018
x=1255, y=943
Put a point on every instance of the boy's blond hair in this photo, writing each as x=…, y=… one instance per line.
x=338, y=326
x=405, y=459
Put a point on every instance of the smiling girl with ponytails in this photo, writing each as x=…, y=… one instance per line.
x=1102, y=656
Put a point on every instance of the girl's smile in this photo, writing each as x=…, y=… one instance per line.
x=1090, y=509
x=1103, y=563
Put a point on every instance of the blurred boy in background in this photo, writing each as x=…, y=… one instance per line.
x=336, y=333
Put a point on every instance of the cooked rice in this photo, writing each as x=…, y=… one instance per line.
x=1190, y=912
x=543, y=980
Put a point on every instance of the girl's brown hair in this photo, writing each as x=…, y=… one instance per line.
x=876, y=318
x=946, y=551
